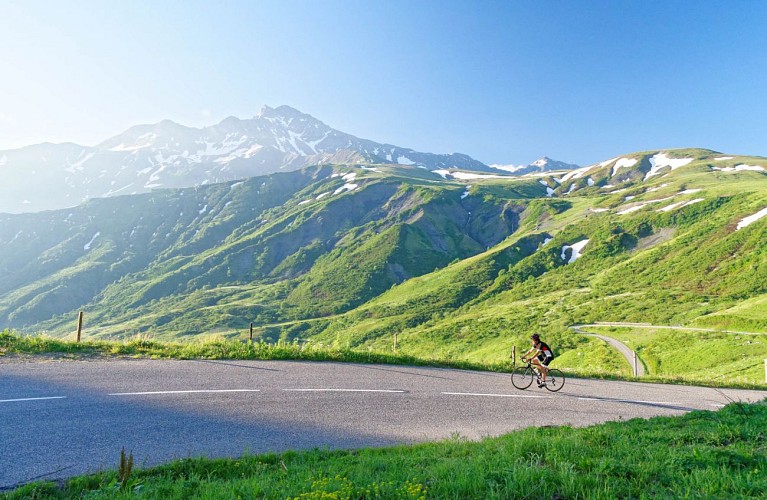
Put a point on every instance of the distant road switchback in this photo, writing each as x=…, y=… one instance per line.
x=61, y=419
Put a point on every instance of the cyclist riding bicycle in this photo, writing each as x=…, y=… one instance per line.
x=539, y=355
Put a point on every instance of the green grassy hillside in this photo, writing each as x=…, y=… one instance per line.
x=350, y=256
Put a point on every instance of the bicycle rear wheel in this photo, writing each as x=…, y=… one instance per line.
x=555, y=379
x=522, y=377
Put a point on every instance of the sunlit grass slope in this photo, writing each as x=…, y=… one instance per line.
x=461, y=269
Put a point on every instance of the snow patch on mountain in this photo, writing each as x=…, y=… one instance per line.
x=680, y=204
x=576, y=248
x=87, y=246
x=346, y=187
x=77, y=166
x=657, y=188
x=623, y=163
x=605, y=163
x=113, y=192
x=577, y=174
x=662, y=160
x=142, y=142
x=642, y=205
x=467, y=176
x=740, y=168
x=549, y=191
x=747, y=221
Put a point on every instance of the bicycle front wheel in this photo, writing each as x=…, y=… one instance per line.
x=522, y=377
x=555, y=379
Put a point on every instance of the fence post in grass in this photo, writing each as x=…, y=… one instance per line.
x=79, y=324
x=513, y=355
x=636, y=370
x=395, y=343
x=251, y=332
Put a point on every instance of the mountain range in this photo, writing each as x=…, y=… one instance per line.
x=348, y=255
x=169, y=155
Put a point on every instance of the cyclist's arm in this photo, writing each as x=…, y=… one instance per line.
x=533, y=352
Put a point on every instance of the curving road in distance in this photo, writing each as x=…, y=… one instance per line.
x=64, y=418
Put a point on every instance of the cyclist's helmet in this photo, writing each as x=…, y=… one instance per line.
x=535, y=337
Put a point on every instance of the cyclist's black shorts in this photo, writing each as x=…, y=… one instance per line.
x=544, y=360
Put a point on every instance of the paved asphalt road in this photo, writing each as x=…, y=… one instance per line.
x=59, y=419
x=617, y=344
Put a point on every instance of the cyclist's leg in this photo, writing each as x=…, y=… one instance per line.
x=541, y=369
x=545, y=368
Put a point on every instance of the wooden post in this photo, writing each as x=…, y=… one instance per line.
x=251, y=332
x=636, y=367
x=513, y=355
x=79, y=324
x=395, y=342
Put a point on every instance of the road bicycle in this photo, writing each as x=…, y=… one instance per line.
x=523, y=376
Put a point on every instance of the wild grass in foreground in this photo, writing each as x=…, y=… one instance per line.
x=701, y=454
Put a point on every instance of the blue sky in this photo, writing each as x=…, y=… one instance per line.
x=504, y=82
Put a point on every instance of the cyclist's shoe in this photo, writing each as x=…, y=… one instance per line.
x=541, y=384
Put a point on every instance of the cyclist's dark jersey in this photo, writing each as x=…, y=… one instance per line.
x=546, y=355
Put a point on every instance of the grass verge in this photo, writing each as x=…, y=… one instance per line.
x=13, y=344
x=41, y=346
x=707, y=454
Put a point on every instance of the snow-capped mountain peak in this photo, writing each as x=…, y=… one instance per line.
x=169, y=155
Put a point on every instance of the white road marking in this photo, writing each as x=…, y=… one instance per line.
x=30, y=399
x=343, y=390
x=496, y=395
x=182, y=392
